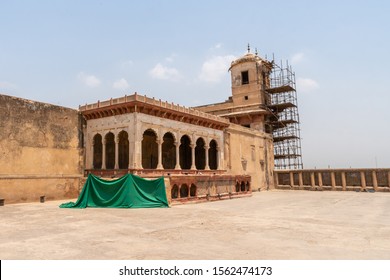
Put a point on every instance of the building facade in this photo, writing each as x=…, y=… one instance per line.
x=210, y=152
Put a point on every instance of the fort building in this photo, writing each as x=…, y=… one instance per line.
x=210, y=152
x=250, y=142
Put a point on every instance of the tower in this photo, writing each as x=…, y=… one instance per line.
x=249, y=79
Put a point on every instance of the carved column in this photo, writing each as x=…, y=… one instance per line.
x=219, y=158
x=207, y=167
x=193, y=167
x=104, y=154
x=177, y=145
x=116, y=152
x=159, y=149
x=92, y=154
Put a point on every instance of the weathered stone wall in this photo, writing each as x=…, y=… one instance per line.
x=40, y=150
x=251, y=153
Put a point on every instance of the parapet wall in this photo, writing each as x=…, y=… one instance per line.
x=366, y=179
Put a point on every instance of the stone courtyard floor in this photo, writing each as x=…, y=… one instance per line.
x=300, y=225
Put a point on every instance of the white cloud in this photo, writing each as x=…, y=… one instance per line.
x=127, y=63
x=170, y=58
x=215, y=68
x=121, y=84
x=216, y=46
x=297, y=58
x=88, y=80
x=306, y=85
x=165, y=73
x=7, y=86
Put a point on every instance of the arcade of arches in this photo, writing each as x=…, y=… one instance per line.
x=112, y=152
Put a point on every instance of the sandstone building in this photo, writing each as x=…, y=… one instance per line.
x=209, y=152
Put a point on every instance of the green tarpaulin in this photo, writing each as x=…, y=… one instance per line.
x=129, y=191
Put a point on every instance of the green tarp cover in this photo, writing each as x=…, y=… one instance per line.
x=129, y=191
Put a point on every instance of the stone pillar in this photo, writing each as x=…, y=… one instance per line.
x=219, y=165
x=291, y=178
x=193, y=166
x=177, y=145
x=363, y=179
x=159, y=149
x=300, y=179
x=319, y=179
x=343, y=181
x=333, y=180
x=92, y=155
x=312, y=180
x=206, y=153
x=138, y=155
x=374, y=180
x=131, y=150
x=116, y=152
x=104, y=154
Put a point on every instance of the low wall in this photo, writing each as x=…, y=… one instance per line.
x=30, y=188
x=198, y=188
x=367, y=179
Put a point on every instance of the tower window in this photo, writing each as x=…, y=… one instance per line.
x=246, y=97
x=245, y=77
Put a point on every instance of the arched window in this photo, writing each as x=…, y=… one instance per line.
x=185, y=152
x=237, y=187
x=110, y=150
x=149, y=150
x=175, y=192
x=184, y=190
x=200, y=159
x=123, y=150
x=193, y=190
x=168, y=151
x=97, y=151
x=243, y=186
x=213, y=155
x=247, y=186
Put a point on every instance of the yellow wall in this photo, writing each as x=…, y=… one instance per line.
x=250, y=152
x=40, y=150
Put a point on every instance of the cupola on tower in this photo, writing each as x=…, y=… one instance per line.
x=247, y=106
x=249, y=78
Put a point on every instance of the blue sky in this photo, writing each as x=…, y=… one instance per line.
x=75, y=52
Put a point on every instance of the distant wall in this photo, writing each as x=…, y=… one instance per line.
x=377, y=179
x=40, y=151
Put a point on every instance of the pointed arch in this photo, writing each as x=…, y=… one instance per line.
x=97, y=151
x=213, y=155
x=110, y=150
x=123, y=150
x=185, y=152
x=168, y=151
x=149, y=149
x=200, y=157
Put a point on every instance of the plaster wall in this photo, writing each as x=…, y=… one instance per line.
x=250, y=152
x=39, y=150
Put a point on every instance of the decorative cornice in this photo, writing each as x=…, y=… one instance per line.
x=150, y=106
